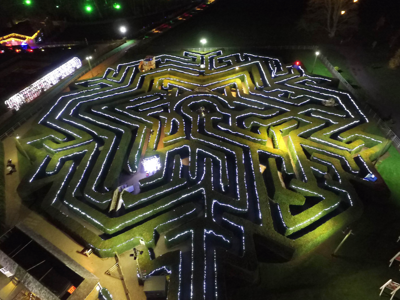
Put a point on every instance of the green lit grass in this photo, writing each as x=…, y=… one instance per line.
x=307, y=58
x=389, y=169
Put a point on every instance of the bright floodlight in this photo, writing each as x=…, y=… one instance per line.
x=123, y=29
x=88, y=57
x=203, y=41
x=88, y=8
x=317, y=53
x=28, y=2
x=151, y=164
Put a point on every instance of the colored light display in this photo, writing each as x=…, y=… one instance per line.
x=34, y=90
x=13, y=39
x=71, y=289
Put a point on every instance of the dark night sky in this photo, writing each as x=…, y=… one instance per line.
x=372, y=10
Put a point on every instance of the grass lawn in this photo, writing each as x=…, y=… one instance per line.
x=386, y=83
x=338, y=60
x=390, y=171
x=308, y=58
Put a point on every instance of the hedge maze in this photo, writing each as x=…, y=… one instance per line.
x=259, y=161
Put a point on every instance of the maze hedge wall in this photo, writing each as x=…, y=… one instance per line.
x=266, y=165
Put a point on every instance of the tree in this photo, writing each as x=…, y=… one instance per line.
x=333, y=16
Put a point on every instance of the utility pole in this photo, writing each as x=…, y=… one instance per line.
x=89, y=58
x=315, y=60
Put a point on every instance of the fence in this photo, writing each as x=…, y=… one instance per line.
x=363, y=103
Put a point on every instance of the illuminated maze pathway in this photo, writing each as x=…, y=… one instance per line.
x=250, y=155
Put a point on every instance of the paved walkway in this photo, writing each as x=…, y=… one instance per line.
x=99, y=70
x=17, y=212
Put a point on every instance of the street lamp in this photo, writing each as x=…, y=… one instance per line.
x=203, y=42
x=342, y=12
x=123, y=29
x=316, y=55
x=89, y=58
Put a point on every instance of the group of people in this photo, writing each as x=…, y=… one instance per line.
x=10, y=167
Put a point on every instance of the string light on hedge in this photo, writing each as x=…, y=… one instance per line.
x=232, y=135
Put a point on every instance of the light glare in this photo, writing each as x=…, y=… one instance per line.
x=123, y=29
x=151, y=164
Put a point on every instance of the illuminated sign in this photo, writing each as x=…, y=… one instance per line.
x=71, y=289
x=35, y=89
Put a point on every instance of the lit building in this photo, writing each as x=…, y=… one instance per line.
x=21, y=34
